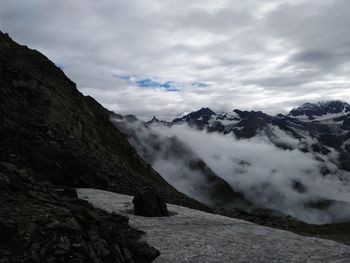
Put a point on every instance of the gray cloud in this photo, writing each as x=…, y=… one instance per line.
x=254, y=54
x=312, y=56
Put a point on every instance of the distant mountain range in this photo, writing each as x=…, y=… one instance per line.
x=319, y=133
x=318, y=126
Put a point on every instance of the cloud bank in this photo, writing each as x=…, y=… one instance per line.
x=290, y=181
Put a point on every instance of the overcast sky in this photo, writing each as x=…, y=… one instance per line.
x=169, y=57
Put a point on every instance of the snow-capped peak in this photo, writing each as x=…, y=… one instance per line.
x=196, y=115
x=313, y=111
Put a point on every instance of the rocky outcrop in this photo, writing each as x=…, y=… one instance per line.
x=148, y=203
x=40, y=223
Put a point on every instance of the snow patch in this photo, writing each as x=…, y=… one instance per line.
x=195, y=236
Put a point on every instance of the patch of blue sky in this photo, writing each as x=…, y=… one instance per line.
x=199, y=84
x=169, y=86
x=166, y=85
x=150, y=83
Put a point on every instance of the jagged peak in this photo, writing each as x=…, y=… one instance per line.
x=207, y=110
x=196, y=115
x=154, y=119
x=321, y=108
x=331, y=103
x=201, y=112
x=322, y=104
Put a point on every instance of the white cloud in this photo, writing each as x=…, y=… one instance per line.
x=266, y=174
x=267, y=55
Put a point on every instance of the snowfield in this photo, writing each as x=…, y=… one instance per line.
x=194, y=236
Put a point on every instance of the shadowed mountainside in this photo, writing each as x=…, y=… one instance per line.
x=54, y=138
x=49, y=126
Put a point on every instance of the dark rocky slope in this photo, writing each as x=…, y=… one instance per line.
x=40, y=223
x=50, y=127
x=53, y=137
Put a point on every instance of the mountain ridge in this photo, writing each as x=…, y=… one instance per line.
x=326, y=106
x=313, y=110
x=331, y=131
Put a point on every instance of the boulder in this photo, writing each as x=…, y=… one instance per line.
x=148, y=203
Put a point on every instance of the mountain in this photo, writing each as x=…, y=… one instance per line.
x=285, y=160
x=321, y=110
x=156, y=121
x=316, y=126
x=197, y=118
x=54, y=139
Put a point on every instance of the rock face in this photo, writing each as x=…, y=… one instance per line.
x=40, y=223
x=149, y=203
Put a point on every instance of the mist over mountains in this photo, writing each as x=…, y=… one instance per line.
x=163, y=131
x=297, y=164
